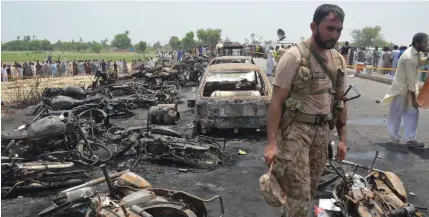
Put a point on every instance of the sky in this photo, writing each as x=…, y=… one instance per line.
x=159, y=20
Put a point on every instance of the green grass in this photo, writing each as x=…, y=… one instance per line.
x=10, y=57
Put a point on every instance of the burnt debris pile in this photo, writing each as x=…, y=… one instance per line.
x=185, y=73
x=72, y=128
x=128, y=195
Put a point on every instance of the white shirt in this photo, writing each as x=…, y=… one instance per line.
x=406, y=75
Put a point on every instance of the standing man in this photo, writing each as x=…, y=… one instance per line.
x=386, y=61
x=376, y=58
x=303, y=110
x=270, y=61
x=402, y=93
x=179, y=55
x=395, y=59
x=345, y=51
x=362, y=55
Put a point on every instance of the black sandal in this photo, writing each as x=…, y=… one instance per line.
x=415, y=144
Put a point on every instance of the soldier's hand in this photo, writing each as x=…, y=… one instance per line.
x=341, y=150
x=270, y=153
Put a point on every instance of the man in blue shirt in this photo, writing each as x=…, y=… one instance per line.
x=179, y=55
x=401, y=50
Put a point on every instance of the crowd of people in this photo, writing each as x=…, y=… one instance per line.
x=385, y=59
x=60, y=68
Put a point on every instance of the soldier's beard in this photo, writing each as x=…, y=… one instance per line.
x=329, y=44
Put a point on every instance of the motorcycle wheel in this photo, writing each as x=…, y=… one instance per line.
x=87, y=153
x=176, y=85
x=201, y=160
x=111, y=132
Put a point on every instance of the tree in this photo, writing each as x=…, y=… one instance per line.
x=368, y=37
x=45, y=45
x=96, y=47
x=18, y=38
x=190, y=35
x=34, y=37
x=34, y=45
x=141, y=47
x=121, y=41
x=27, y=38
x=302, y=39
x=188, y=41
x=213, y=36
x=157, y=45
x=127, y=32
x=174, y=42
x=202, y=35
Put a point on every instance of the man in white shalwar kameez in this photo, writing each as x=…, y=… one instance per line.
x=270, y=61
x=402, y=93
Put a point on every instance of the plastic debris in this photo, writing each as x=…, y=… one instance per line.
x=241, y=152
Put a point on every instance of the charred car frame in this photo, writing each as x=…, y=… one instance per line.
x=232, y=96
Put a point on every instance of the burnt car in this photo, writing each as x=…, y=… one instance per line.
x=232, y=96
x=231, y=59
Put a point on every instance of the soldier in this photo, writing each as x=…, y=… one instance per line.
x=307, y=102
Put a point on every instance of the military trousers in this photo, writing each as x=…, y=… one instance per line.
x=299, y=165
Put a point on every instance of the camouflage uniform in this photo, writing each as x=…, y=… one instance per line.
x=299, y=165
x=303, y=139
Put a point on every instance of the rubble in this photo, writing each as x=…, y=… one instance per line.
x=378, y=193
x=72, y=126
x=188, y=70
x=129, y=195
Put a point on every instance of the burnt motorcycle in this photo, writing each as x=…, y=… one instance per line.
x=377, y=194
x=191, y=152
x=129, y=196
x=112, y=107
x=64, y=103
x=105, y=78
x=62, y=134
x=17, y=175
x=70, y=91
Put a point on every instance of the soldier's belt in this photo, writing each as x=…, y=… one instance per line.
x=313, y=119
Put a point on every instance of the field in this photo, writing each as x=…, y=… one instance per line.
x=23, y=56
x=21, y=93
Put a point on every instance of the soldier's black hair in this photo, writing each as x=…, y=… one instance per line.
x=395, y=47
x=324, y=10
x=419, y=38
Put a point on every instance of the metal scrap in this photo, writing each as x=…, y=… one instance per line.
x=129, y=195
